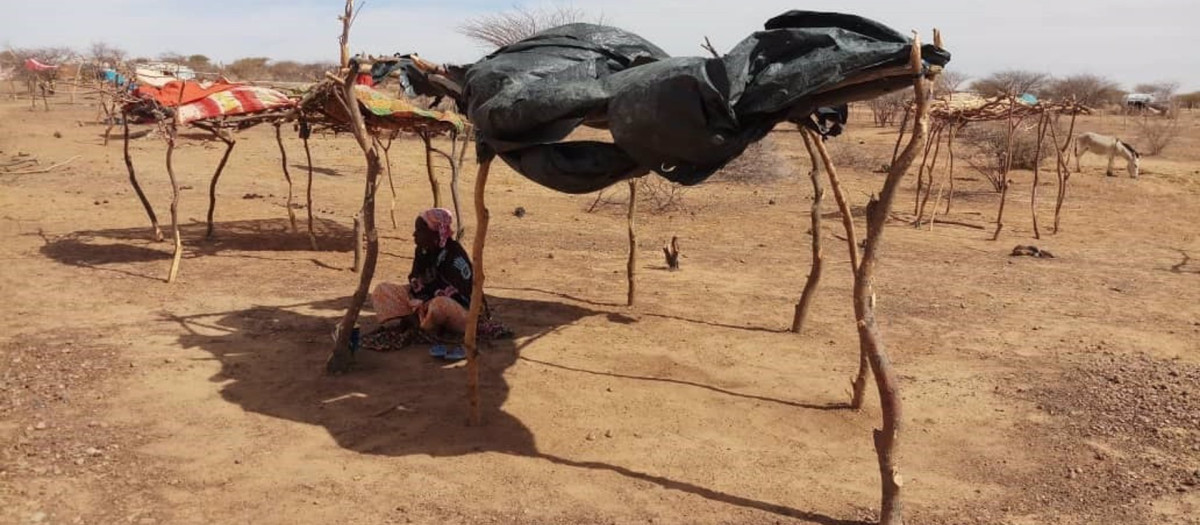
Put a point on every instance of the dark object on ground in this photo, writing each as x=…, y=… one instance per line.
x=1032, y=251
x=681, y=117
x=519, y=212
x=671, y=251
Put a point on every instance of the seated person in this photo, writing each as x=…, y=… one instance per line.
x=438, y=293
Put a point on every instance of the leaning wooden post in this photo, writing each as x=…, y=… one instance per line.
x=814, y=276
x=950, y=147
x=387, y=157
x=631, y=264
x=229, y=141
x=1012, y=104
x=1064, y=168
x=305, y=132
x=341, y=358
x=286, y=175
x=455, y=159
x=1037, y=170
x=843, y=205
x=471, y=339
x=859, y=384
x=177, y=256
x=887, y=439
x=137, y=188
x=936, y=140
x=900, y=136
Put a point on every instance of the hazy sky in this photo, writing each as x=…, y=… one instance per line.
x=1129, y=41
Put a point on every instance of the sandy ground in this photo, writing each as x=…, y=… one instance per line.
x=1036, y=391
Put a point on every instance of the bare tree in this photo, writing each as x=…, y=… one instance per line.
x=885, y=109
x=1089, y=90
x=948, y=82
x=1011, y=82
x=102, y=52
x=504, y=28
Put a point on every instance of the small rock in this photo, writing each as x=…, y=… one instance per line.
x=590, y=437
x=519, y=212
x=37, y=517
x=40, y=425
x=79, y=462
x=771, y=202
x=608, y=433
x=168, y=360
x=93, y=451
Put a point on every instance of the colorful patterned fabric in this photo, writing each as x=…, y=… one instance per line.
x=177, y=92
x=441, y=221
x=401, y=111
x=238, y=100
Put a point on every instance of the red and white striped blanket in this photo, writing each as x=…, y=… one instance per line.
x=239, y=100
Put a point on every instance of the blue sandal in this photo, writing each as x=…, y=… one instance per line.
x=437, y=350
x=457, y=353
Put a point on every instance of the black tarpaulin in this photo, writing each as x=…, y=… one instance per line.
x=682, y=117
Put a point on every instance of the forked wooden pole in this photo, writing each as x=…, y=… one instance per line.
x=471, y=339
x=137, y=188
x=1004, y=170
x=887, y=439
x=212, y=187
x=950, y=149
x=455, y=159
x=312, y=236
x=814, y=275
x=433, y=182
x=1037, y=171
x=341, y=357
x=631, y=264
x=387, y=157
x=286, y=175
x=177, y=256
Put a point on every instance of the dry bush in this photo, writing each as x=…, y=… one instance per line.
x=655, y=194
x=987, y=144
x=501, y=29
x=888, y=109
x=845, y=154
x=1089, y=90
x=1011, y=82
x=1157, y=133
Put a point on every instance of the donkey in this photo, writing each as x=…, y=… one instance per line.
x=1110, y=146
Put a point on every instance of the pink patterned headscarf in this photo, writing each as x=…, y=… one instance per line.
x=441, y=221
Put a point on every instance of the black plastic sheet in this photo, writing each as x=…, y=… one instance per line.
x=681, y=117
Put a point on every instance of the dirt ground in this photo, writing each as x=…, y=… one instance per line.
x=1036, y=391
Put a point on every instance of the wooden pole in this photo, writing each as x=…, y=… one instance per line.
x=950, y=147
x=1004, y=183
x=283, y=160
x=312, y=236
x=631, y=264
x=949, y=175
x=347, y=18
x=936, y=140
x=178, y=254
x=433, y=182
x=1064, y=168
x=843, y=205
x=455, y=164
x=137, y=188
x=471, y=339
x=341, y=358
x=387, y=157
x=212, y=186
x=921, y=175
x=887, y=439
x=1037, y=169
x=75, y=86
x=899, y=136
x=814, y=276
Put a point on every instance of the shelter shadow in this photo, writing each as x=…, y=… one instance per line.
x=398, y=403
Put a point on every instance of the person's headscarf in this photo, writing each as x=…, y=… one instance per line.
x=441, y=221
